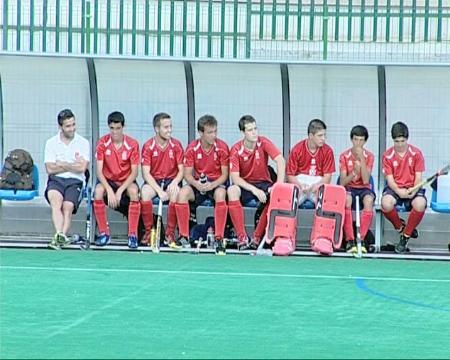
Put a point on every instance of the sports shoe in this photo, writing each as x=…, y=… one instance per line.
x=169, y=238
x=102, y=239
x=351, y=247
x=221, y=246
x=402, y=245
x=414, y=234
x=173, y=245
x=132, y=241
x=242, y=242
x=53, y=244
x=62, y=239
x=145, y=238
x=183, y=241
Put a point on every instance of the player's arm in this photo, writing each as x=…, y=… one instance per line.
x=222, y=178
x=402, y=192
x=364, y=170
x=189, y=177
x=417, y=180
x=130, y=179
x=150, y=180
x=345, y=178
x=281, y=168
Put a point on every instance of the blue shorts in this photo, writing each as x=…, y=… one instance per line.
x=407, y=203
x=69, y=188
x=362, y=193
x=209, y=195
x=247, y=196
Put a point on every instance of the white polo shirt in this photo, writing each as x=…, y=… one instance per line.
x=56, y=150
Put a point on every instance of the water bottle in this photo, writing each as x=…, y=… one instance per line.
x=210, y=238
x=203, y=180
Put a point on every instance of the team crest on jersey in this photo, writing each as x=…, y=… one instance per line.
x=410, y=161
x=215, y=156
x=350, y=163
x=245, y=158
x=199, y=156
x=155, y=153
x=171, y=154
x=108, y=152
x=257, y=155
x=313, y=161
x=395, y=163
x=124, y=155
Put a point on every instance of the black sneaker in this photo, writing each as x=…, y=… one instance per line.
x=183, y=241
x=402, y=245
x=221, y=247
x=351, y=246
x=415, y=233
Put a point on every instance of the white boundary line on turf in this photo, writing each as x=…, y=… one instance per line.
x=221, y=273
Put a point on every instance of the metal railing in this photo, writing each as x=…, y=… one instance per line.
x=409, y=31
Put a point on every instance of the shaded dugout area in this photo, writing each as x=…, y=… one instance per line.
x=76, y=304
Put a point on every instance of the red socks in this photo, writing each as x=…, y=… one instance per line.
x=261, y=227
x=414, y=219
x=220, y=218
x=147, y=214
x=393, y=217
x=366, y=221
x=171, y=219
x=134, y=211
x=100, y=217
x=237, y=217
x=182, y=214
x=348, y=225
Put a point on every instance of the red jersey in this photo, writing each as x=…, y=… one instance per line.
x=403, y=169
x=347, y=163
x=302, y=161
x=252, y=164
x=207, y=162
x=163, y=162
x=117, y=162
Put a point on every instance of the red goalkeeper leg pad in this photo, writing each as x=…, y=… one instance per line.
x=328, y=222
x=282, y=218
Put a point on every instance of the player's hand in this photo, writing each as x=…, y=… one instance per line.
x=403, y=193
x=411, y=193
x=112, y=202
x=260, y=195
x=173, y=190
x=358, y=152
x=163, y=195
x=357, y=167
x=208, y=186
x=304, y=187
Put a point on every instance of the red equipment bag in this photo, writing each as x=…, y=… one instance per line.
x=328, y=222
x=281, y=228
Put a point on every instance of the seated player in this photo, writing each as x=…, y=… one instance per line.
x=356, y=166
x=117, y=168
x=403, y=166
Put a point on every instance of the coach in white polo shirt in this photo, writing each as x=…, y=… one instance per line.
x=66, y=159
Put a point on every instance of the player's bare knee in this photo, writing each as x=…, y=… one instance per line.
x=220, y=194
x=387, y=203
x=133, y=192
x=234, y=193
x=68, y=207
x=147, y=193
x=419, y=204
x=99, y=192
x=348, y=202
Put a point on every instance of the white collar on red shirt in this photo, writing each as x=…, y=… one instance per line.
x=125, y=142
x=154, y=143
x=242, y=147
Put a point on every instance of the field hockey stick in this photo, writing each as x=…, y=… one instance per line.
x=358, y=230
x=443, y=171
x=158, y=224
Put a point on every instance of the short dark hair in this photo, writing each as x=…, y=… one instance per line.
x=158, y=117
x=359, y=130
x=399, y=129
x=316, y=125
x=206, y=120
x=116, y=117
x=64, y=115
x=244, y=120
